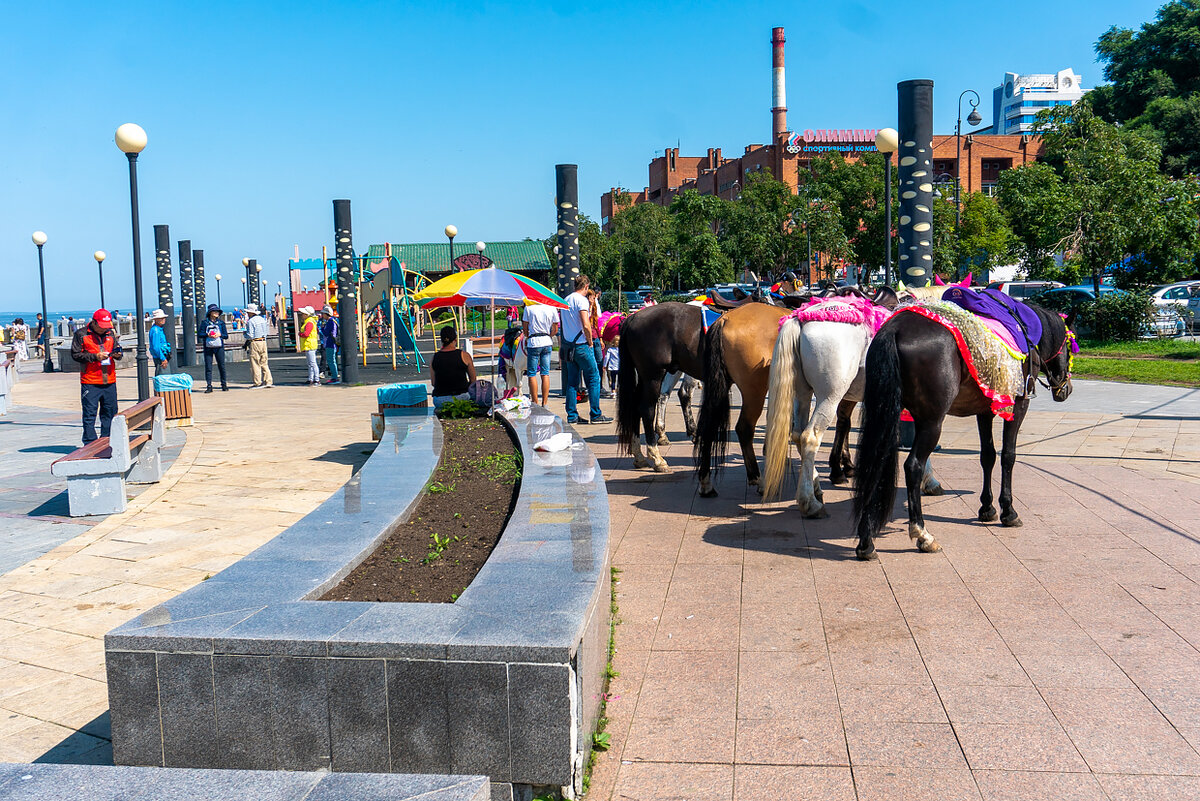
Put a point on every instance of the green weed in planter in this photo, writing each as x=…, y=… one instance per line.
x=459, y=409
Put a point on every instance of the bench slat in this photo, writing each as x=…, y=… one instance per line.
x=96, y=449
x=140, y=414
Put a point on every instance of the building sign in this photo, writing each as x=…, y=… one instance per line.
x=827, y=139
x=1043, y=81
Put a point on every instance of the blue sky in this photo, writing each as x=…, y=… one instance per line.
x=259, y=114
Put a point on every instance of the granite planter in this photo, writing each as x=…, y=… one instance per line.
x=244, y=671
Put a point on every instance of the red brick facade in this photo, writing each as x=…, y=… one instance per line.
x=984, y=157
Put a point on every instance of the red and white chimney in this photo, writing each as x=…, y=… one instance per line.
x=778, y=92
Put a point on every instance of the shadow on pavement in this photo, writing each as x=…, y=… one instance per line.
x=90, y=745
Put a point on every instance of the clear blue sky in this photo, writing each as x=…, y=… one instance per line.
x=259, y=114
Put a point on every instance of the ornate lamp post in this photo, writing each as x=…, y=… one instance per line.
x=39, y=239
x=887, y=142
x=100, y=256
x=218, y=277
x=451, y=232
x=244, y=296
x=131, y=140
x=973, y=119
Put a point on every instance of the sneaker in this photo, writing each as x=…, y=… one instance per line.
x=224, y=389
x=600, y=419
x=208, y=390
x=606, y=395
x=332, y=381
x=574, y=421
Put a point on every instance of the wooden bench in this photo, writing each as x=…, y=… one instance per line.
x=96, y=473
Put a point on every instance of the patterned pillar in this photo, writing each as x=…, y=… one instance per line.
x=187, y=299
x=252, y=278
x=166, y=289
x=347, y=291
x=567, y=201
x=915, y=117
x=198, y=280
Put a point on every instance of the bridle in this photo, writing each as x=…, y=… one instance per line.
x=1069, y=339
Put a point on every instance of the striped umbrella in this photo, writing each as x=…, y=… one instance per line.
x=489, y=287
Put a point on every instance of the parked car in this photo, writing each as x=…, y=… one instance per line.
x=1178, y=293
x=1168, y=322
x=1024, y=289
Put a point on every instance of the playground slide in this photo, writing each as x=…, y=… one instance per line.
x=404, y=337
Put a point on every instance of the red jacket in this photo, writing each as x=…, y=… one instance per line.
x=86, y=345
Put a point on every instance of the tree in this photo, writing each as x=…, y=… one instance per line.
x=853, y=192
x=758, y=230
x=642, y=237
x=1037, y=205
x=985, y=239
x=700, y=261
x=1155, y=75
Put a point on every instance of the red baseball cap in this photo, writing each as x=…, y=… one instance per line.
x=102, y=318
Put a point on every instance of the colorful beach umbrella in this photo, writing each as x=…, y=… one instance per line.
x=487, y=287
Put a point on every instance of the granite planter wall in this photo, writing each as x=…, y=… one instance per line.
x=244, y=671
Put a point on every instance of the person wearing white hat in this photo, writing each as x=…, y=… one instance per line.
x=257, y=329
x=308, y=343
x=160, y=345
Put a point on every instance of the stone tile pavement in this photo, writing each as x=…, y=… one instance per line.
x=255, y=462
x=759, y=659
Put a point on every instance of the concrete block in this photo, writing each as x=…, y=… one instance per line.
x=96, y=495
x=477, y=699
x=300, y=713
x=358, y=716
x=242, y=702
x=418, y=717
x=185, y=697
x=540, y=714
x=133, y=701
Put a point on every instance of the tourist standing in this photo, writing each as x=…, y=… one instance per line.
x=539, y=326
x=257, y=329
x=329, y=341
x=160, y=346
x=612, y=362
x=451, y=370
x=213, y=334
x=41, y=336
x=309, y=340
x=96, y=349
x=579, y=353
x=20, y=335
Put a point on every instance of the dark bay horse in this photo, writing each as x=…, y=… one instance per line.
x=662, y=339
x=914, y=363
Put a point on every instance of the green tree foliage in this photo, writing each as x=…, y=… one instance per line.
x=758, y=232
x=1034, y=200
x=985, y=239
x=1155, y=89
x=700, y=261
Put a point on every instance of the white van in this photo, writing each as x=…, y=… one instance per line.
x=1022, y=290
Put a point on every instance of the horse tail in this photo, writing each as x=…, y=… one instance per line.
x=628, y=413
x=879, y=441
x=712, y=427
x=782, y=394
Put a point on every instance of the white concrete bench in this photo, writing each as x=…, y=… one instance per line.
x=8, y=377
x=97, y=472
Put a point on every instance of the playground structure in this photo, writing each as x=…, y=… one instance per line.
x=386, y=312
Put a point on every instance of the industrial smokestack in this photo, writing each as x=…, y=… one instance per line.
x=778, y=93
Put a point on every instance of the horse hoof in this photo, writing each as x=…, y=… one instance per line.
x=1011, y=521
x=662, y=440
x=641, y=464
x=660, y=467
x=988, y=515
x=709, y=493
x=848, y=471
x=928, y=546
x=837, y=481
x=866, y=556
x=932, y=488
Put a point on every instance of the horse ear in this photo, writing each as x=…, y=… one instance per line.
x=1069, y=319
x=937, y=280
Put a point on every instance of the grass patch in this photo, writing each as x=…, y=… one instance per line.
x=1139, y=370
x=1174, y=349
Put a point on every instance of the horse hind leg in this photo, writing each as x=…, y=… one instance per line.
x=652, y=403
x=914, y=473
x=687, y=388
x=929, y=483
x=809, y=495
x=841, y=466
x=987, y=460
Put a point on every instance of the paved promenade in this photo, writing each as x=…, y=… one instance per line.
x=759, y=660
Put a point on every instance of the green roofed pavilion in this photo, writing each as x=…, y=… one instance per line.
x=433, y=258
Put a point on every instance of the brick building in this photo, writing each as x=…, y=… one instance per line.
x=984, y=157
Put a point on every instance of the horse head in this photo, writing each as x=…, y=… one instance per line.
x=1055, y=350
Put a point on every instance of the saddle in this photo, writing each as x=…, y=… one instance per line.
x=717, y=302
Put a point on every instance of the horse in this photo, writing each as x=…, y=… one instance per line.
x=655, y=341
x=737, y=349
x=914, y=363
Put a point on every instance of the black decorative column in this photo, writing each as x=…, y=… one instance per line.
x=198, y=282
x=567, y=202
x=347, y=291
x=166, y=289
x=252, y=280
x=187, y=299
x=915, y=113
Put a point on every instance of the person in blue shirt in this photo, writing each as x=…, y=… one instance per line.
x=160, y=345
x=328, y=332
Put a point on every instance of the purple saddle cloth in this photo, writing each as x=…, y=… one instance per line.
x=1021, y=321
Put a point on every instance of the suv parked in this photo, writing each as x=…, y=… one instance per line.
x=1022, y=290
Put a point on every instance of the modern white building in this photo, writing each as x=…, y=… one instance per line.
x=1019, y=97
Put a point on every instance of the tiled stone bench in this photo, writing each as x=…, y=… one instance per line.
x=245, y=671
x=107, y=783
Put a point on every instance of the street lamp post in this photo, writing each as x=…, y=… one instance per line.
x=39, y=239
x=451, y=232
x=887, y=142
x=973, y=119
x=99, y=256
x=131, y=140
x=218, y=277
x=244, y=296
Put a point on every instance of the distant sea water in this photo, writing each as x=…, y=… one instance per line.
x=30, y=317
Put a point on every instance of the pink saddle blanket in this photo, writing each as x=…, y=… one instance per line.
x=1004, y=335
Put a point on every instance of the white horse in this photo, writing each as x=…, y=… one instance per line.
x=820, y=360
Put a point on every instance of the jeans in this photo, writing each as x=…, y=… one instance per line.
x=331, y=363
x=538, y=361
x=219, y=355
x=581, y=362
x=314, y=373
x=93, y=397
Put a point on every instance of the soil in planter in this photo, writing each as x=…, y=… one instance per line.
x=436, y=554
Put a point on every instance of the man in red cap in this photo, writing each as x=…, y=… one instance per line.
x=97, y=350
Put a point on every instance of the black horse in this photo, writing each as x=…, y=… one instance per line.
x=914, y=363
x=661, y=339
